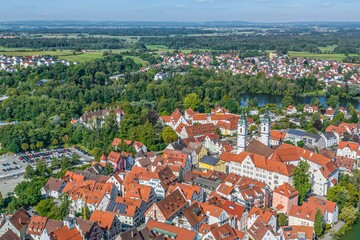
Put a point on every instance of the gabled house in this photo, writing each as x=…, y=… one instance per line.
x=17, y=223
x=260, y=231
x=192, y=193
x=297, y=232
x=108, y=223
x=348, y=149
x=226, y=232
x=284, y=197
x=191, y=218
x=168, y=231
x=53, y=188
x=117, y=179
x=174, y=120
x=267, y=216
x=167, y=208
x=291, y=110
x=116, y=160
x=215, y=214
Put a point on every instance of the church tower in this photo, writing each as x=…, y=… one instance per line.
x=265, y=129
x=242, y=133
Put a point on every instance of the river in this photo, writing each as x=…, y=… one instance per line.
x=264, y=99
x=354, y=233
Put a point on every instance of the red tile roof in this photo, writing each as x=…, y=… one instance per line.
x=103, y=219
x=351, y=145
x=158, y=228
x=64, y=233
x=286, y=190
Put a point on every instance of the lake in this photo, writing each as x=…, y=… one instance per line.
x=264, y=99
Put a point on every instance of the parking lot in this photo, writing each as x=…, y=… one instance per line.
x=11, y=166
x=14, y=165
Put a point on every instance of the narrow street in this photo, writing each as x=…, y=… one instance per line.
x=334, y=229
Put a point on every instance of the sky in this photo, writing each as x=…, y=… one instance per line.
x=182, y=10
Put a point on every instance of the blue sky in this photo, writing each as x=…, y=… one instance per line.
x=182, y=10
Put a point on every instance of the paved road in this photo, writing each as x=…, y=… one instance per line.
x=334, y=229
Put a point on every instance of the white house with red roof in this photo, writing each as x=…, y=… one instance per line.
x=117, y=179
x=116, y=160
x=310, y=109
x=215, y=214
x=348, y=149
x=329, y=112
x=174, y=120
x=324, y=178
x=258, y=167
x=291, y=110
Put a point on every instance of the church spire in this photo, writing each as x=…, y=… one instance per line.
x=242, y=133
x=265, y=128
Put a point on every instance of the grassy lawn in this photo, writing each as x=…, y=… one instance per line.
x=137, y=60
x=327, y=48
x=331, y=56
x=65, y=54
x=161, y=48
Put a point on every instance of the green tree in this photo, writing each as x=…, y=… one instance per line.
x=349, y=215
x=354, y=117
x=55, y=142
x=282, y=220
x=41, y=169
x=168, y=135
x=315, y=102
x=333, y=101
x=39, y=144
x=86, y=212
x=339, y=117
x=301, y=180
x=192, y=101
x=1, y=201
x=44, y=207
x=287, y=100
x=65, y=139
x=253, y=102
x=300, y=143
x=29, y=172
x=108, y=169
x=14, y=148
x=25, y=146
x=339, y=194
x=319, y=223
x=63, y=210
x=28, y=192
x=232, y=105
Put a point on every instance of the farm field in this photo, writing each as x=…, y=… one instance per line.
x=328, y=56
x=161, y=48
x=65, y=54
x=328, y=48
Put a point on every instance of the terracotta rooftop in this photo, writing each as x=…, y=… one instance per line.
x=64, y=233
x=351, y=145
x=297, y=232
x=194, y=214
x=172, y=203
x=103, y=219
x=170, y=231
x=286, y=190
